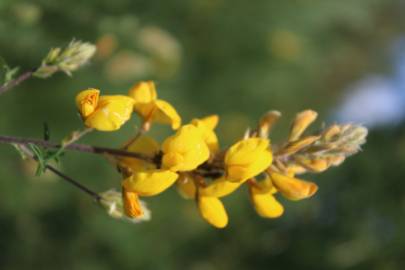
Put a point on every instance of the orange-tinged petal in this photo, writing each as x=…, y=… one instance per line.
x=293, y=188
x=111, y=113
x=86, y=101
x=301, y=122
x=165, y=113
x=265, y=204
x=219, y=188
x=213, y=211
x=132, y=205
x=151, y=182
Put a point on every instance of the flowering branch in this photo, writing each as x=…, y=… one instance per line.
x=75, y=55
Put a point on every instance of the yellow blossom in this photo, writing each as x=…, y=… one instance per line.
x=149, y=182
x=265, y=203
x=219, y=188
x=247, y=158
x=105, y=113
x=152, y=109
x=142, y=145
x=206, y=126
x=185, y=150
x=293, y=188
x=213, y=211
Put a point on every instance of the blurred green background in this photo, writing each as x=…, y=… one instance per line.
x=235, y=58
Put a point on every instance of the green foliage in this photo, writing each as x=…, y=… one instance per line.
x=238, y=58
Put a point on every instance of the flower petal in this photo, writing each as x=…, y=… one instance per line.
x=143, y=145
x=213, y=211
x=219, y=188
x=86, y=101
x=164, y=113
x=111, y=113
x=132, y=205
x=151, y=182
x=186, y=186
x=265, y=204
x=143, y=92
x=247, y=158
x=293, y=188
x=185, y=150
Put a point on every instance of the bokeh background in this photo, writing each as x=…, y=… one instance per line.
x=239, y=59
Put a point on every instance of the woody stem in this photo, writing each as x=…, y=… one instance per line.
x=65, y=177
x=73, y=147
x=23, y=77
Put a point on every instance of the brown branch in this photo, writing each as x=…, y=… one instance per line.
x=74, y=147
x=65, y=177
x=23, y=77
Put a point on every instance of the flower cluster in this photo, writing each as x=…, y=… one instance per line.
x=192, y=159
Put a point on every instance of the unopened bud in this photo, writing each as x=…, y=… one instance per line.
x=267, y=122
x=75, y=55
x=112, y=202
x=301, y=122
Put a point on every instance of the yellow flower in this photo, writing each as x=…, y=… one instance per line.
x=264, y=202
x=152, y=109
x=213, y=211
x=105, y=113
x=247, y=158
x=149, y=182
x=185, y=150
x=293, y=188
x=143, y=145
x=206, y=126
x=219, y=188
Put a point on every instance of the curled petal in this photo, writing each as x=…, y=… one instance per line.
x=164, y=113
x=265, y=204
x=219, y=188
x=111, y=113
x=213, y=211
x=150, y=183
x=247, y=158
x=293, y=188
x=86, y=101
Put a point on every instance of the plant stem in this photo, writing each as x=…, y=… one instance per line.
x=74, y=147
x=69, y=179
x=23, y=77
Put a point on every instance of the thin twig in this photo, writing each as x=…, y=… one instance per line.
x=69, y=179
x=23, y=77
x=74, y=147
